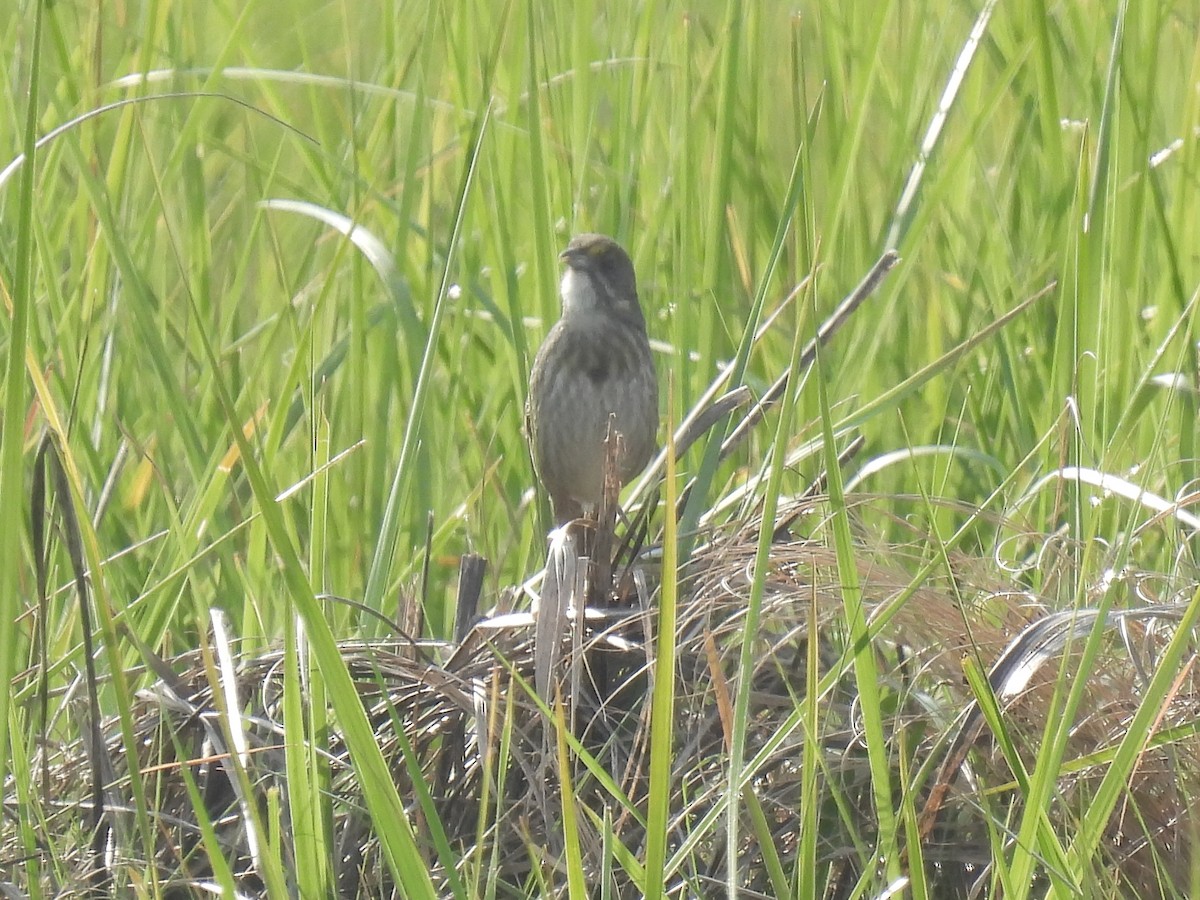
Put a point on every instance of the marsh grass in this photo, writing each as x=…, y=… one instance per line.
x=254, y=413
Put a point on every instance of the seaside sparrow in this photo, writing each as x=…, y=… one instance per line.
x=595, y=363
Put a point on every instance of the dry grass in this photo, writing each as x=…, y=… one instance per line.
x=478, y=735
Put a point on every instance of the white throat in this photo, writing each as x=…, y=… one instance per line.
x=578, y=294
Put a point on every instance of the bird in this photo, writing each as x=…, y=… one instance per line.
x=594, y=365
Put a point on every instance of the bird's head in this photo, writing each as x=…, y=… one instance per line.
x=599, y=278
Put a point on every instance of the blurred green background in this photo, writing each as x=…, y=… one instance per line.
x=471, y=140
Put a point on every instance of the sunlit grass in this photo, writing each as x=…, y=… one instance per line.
x=258, y=413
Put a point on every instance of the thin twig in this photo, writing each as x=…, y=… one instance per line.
x=828, y=329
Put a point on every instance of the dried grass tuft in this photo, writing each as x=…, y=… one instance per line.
x=454, y=703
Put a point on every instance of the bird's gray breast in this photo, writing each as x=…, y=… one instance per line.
x=601, y=372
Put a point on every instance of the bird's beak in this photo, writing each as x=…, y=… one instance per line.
x=567, y=256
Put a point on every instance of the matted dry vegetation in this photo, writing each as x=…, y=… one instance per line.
x=463, y=720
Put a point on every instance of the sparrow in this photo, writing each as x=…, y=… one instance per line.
x=594, y=366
